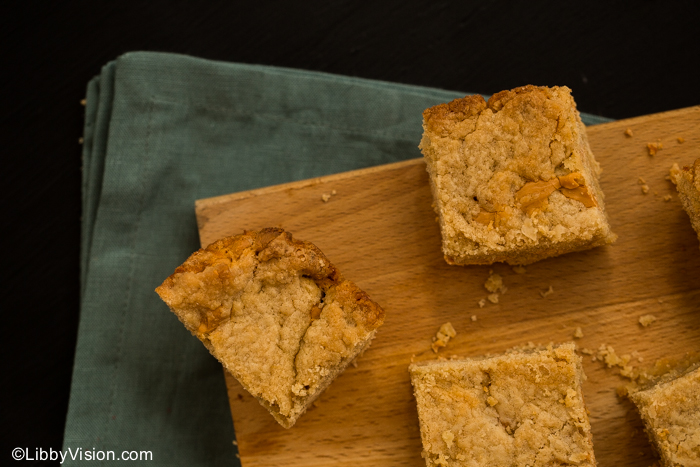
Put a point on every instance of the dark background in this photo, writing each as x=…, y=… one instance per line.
x=622, y=59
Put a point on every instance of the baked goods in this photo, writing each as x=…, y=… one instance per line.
x=687, y=182
x=513, y=179
x=276, y=313
x=523, y=408
x=671, y=413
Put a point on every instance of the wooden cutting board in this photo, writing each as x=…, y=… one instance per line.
x=379, y=229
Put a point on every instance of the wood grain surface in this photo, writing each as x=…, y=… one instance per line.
x=379, y=229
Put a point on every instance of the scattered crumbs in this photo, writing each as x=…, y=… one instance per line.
x=578, y=333
x=645, y=189
x=493, y=298
x=641, y=181
x=443, y=336
x=413, y=358
x=334, y=192
x=628, y=132
x=674, y=172
x=482, y=303
x=519, y=269
x=473, y=317
x=646, y=320
x=495, y=283
x=235, y=443
x=668, y=198
x=80, y=140
x=654, y=148
x=547, y=292
x=238, y=456
x=636, y=355
x=325, y=197
x=660, y=300
x=586, y=351
x=84, y=102
x=680, y=140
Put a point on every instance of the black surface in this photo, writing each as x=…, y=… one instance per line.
x=622, y=60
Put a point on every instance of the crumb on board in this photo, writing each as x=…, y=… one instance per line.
x=84, y=102
x=493, y=297
x=645, y=189
x=674, y=172
x=668, y=198
x=473, y=317
x=680, y=140
x=494, y=283
x=646, y=320
x=443, y=336
x=547, y=292
x=578, y=333
x=519, y=269
x=628, y=132
x=482, y=303
x=641, y=181
x=654, y=147
x=586, y=351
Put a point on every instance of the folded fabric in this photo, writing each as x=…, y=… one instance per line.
x=161, y=131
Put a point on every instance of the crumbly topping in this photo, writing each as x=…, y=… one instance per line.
x=521, y=408
x=276, y=313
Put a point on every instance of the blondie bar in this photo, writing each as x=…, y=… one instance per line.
x=670, y=410
x=276, y=313
x=514, y=178
x=687, y=180
x=522, y=408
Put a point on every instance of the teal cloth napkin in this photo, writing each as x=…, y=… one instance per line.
x=161, y=131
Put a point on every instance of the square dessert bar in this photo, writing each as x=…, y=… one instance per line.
x=514, y=178
x=687, y=180
x=519, y=409
x=276, y=313
x=671, y=413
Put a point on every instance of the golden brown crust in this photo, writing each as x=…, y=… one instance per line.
x=277, y=314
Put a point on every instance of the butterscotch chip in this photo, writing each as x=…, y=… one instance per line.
x=687, y=181
x=524, y=408
x=670, y=410
x=276, y=313
x=513, y=178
